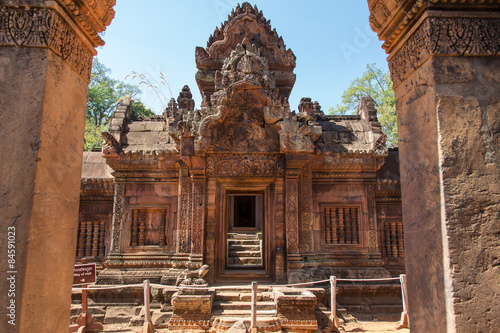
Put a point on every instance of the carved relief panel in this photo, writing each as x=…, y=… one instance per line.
x=144, y=216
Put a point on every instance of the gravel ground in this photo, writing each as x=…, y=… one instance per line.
x=359, y=326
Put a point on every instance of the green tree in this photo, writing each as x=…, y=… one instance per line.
x=102, y=99
x=141, y=110
x=93, y=138
x=104, y=93
x=377, y=84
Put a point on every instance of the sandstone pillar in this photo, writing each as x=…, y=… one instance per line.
x=46, y=50
x=295, y=164
x=198, y=217
x=444, y=58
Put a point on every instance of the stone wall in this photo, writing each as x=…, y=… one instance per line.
x=39, y=188
x=448, y=121
x=444, y=61
x=45, y=62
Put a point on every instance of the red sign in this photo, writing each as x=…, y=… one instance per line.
x=84, y=274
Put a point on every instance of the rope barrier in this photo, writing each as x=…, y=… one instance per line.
x=161, y=286
x=334, y=324
x=296, y=284
x=382, y=279
x=103, y=287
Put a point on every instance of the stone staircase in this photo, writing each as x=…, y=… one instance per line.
x=244, y=249
x=231, y=305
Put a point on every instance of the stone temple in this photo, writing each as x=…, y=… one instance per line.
x=243, y=184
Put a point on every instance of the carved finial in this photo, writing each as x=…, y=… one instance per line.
x=110, y=147
x=171, y=109
x=306, y=105
x=379, y=145
x=247, y=7
x=316, y=107
x=185, y=99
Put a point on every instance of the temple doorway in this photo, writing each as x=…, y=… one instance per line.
x=244, y=236
x=245, y=231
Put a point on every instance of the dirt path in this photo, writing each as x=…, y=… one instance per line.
x=374, y=327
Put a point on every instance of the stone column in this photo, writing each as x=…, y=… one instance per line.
x=294, y=165
x=445, y=66
x=198, y=216
x=185, y=207
x=46, y=50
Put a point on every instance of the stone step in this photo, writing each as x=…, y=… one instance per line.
x=244, y=235
x=244, y=247
x=228, y=296
x=239, y=261
x=246, y=254
x=238, y=305
x=232, y=242
x=261, y=297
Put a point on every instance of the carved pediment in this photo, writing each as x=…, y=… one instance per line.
x=245, y=76
x=245, y=25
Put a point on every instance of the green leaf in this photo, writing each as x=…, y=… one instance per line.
x=377, y=84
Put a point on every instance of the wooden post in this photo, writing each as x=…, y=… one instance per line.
x=405, y=320
x=334, y=321
x=84, y=299
x=148, y=325
x=253, y=321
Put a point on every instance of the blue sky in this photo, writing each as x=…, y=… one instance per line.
x=331, y=39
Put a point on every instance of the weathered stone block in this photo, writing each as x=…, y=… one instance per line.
x=296, y=308
x=191, y=311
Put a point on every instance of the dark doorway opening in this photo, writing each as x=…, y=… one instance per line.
x=244, y=212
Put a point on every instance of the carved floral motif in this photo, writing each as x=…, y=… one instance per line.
x=43, y=27
x=292, y=220
x=451, y=36
x=252, y=165
x=198, y=215
x=372, y=233
x=305, y=209
x=184, y=231
x=117, y=217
